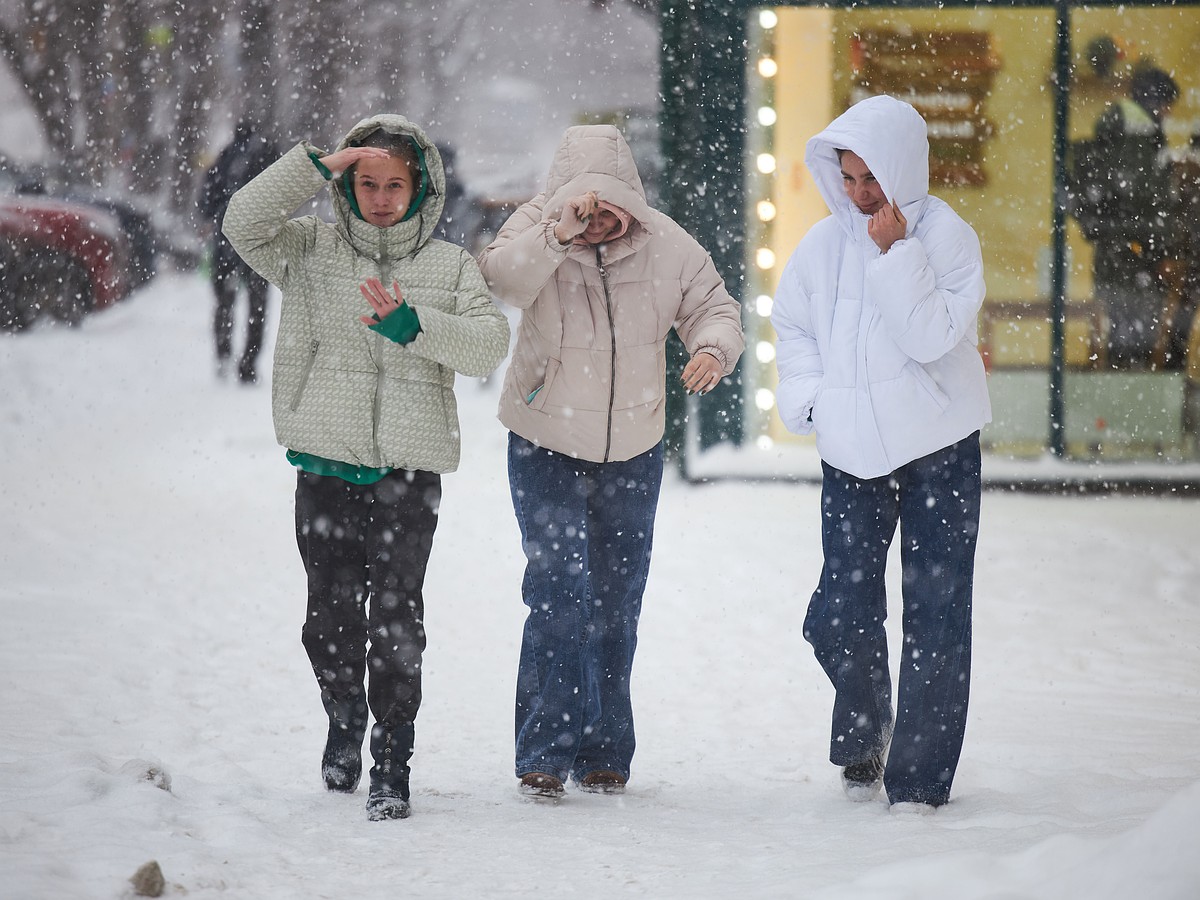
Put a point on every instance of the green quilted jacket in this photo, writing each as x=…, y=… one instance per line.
x=340, y=390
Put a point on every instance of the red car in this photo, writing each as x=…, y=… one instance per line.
x=59, y=258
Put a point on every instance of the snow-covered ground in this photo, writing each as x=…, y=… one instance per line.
x=152, y=598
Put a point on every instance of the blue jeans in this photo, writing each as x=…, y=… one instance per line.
x=935, y=500
x=586, y=529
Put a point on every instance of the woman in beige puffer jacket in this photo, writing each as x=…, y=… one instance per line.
x=601, y=279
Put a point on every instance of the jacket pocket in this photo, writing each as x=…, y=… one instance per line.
x=907, y=406
x=929, y=385
x=537, y=399
x=308, y=367
x=839, y=432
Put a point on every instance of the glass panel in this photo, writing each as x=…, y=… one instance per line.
x=983, y=80
x=1134, y=236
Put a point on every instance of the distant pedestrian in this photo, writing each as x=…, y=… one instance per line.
x=1121, y=195
x=600, y=278
x=244, y=157
x=461, y=219
x=376, y=319
x=875, y=315
x=1181, y=320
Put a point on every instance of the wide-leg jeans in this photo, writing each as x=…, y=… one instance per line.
x=935, y=500
x=587, y=530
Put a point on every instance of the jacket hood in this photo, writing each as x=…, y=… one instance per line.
x=429, y=211
x=596, y=158
x=891, y=138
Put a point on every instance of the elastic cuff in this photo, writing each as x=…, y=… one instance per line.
x=325, y=173
x=551, y=241
x=716, y=353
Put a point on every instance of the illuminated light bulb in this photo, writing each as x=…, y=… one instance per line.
x=763, y=304
x=764, y=442
x=764, y=258
x=766, y=116
x=766, y=210
x=768, y=19
x=766, y=163
x=767, y=67
x=765, y=351
x=764, y=399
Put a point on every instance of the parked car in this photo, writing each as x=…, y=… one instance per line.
x=59, y=259
x=135, y=221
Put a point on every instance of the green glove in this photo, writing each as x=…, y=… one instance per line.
x=401, y=325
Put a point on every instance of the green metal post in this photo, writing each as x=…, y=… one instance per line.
x=1058, y=230
x=703, y=142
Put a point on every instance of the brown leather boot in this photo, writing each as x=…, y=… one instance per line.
x=602, y=781
x=541, y=786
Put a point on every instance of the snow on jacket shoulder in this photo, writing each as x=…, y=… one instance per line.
x=877, y=352
x=588, y=373
x=339, y=389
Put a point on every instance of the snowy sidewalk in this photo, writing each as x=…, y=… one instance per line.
x=152, y=599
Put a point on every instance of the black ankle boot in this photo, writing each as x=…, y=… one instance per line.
x=391, y=748
x=341, y=764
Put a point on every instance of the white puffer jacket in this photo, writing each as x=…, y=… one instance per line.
x=587, y=376
x=877, y=352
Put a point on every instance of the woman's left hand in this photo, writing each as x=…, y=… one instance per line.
x=381, y=301
x=702, y=373
x=887, y=226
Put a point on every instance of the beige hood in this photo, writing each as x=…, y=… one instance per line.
x=596, y=158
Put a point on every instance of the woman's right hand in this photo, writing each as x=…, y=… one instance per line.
x=574, y=218
x=339, y=162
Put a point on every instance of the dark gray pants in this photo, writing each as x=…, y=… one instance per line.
x=365, y=549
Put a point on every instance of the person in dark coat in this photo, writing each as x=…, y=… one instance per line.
x=1185, y=267
x=1122, y=199
x=460, y=223
x=245, y=156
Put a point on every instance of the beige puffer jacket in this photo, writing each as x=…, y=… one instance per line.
x=340, y=390
x=588, y=374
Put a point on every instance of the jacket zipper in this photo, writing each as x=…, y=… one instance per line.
x=612, y=333
x=385, y=268
x=313, y=345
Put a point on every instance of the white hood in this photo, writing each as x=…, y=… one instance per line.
x=891, y=138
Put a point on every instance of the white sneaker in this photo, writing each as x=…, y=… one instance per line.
x=861, y=782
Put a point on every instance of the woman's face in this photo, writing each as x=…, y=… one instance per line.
x=383, y=188
x=600, y=226
x=861, y=187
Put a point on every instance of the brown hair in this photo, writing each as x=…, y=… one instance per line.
x=397, y=145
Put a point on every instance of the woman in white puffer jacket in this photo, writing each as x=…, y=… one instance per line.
x=875, y=315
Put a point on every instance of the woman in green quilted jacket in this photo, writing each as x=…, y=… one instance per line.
x=376, y=319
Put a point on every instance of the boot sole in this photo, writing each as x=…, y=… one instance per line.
x=540, y=795
x=387, y=811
